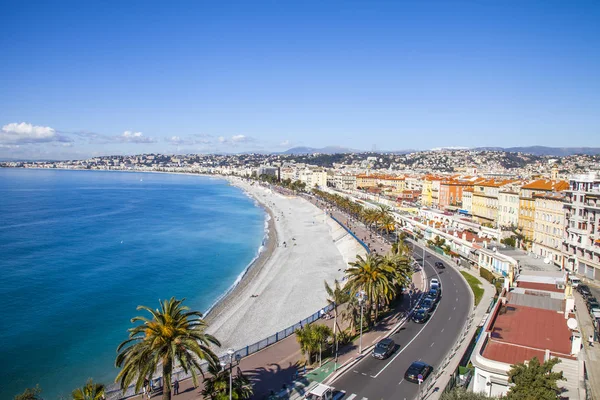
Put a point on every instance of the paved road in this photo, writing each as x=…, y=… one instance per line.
x=376, y=379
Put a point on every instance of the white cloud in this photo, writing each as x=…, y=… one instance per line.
x=285, y=143
x=222, y=139
x=135, y=137
x=25, y=133
x=239, y=138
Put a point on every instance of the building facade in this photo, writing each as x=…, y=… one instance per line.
x=549, y=227
x=581, y=244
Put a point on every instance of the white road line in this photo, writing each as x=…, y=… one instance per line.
x=432, y=344
x=401, y=381
x=356, y=372
x=454, y=308
x=362, y=373
x=351, y=396
x=377, y=339
x=443, y=329
x=449, y=318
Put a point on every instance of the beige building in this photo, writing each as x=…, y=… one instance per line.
x=467, y=200
x=508, y=205
x=344, y=181
x=549, y=226
x=485, y=200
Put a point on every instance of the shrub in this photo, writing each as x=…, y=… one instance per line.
x=486, y=274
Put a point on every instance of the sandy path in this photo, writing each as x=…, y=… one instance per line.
x=289, y=282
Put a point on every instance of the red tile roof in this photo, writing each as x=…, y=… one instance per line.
x=510, y=354
x=532, y=327
x=540, y=286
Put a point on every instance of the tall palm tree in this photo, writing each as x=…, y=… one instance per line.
x=335, y=297
x=372, y=276
x=173, y=334
x=90, y=391
x=321, y=335
x=352, y=313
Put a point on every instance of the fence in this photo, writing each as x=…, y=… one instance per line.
x=352, y=233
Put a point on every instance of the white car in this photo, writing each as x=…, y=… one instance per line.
x=434, y=281
x=320, y=392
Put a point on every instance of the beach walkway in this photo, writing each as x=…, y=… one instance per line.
x=279, y=371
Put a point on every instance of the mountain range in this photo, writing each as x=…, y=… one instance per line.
x=535, y=150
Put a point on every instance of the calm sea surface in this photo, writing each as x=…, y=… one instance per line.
x=79, y=250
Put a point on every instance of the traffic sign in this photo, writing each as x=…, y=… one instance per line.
x=420, y=378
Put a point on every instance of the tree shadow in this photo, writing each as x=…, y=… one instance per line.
x=273, y=378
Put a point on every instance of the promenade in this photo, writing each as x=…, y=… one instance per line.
x=273, y=369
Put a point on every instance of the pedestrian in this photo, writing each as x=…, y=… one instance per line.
x=176, y=387
x=591, y=340
x=145, y=392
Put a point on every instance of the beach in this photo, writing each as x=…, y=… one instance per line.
x=285, y=284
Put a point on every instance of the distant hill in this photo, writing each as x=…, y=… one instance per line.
x=323, y=150
x=545, y=151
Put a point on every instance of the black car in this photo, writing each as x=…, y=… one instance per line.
x=384, y=348
x=593, y=304
x=421, y=316
x=428, y=304
x=439, y=265
x=417, y=368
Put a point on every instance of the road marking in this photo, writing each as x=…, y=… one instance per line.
x=432, y=344
x=356, y=372
x=401, y=381
x=362, y=373
x=454, y=308
x=449, y=318
x=457, y=299
x=405, y=346
x=443, y=329
x=351, y=396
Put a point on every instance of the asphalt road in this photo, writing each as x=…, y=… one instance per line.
x=384, y=379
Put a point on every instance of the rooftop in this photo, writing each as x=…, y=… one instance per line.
x=535, y=328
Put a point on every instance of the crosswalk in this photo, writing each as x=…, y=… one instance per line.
x=341, y=395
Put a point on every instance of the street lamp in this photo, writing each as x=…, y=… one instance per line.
x=230, y=352
x=361, y=301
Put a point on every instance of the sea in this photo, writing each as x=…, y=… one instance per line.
x=80, y=250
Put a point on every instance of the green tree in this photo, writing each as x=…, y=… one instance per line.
x=335, y=296
x=216, y=386
x=30, y=394
x=311, y=339
x=534, y=381
x=90, y=391
x=173, y=334
x=352, y=314
x=462, y=394
x=374, y=277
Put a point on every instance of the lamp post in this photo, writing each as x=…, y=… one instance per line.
x=361, y=301
x=230, y=352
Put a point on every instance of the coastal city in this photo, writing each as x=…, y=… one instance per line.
x=309, y=200
x=523, y=231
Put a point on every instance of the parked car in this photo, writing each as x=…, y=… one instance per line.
x=593, y=304
x=580, y=288
x=434, y=281
x=434, y=294
x=384, y=348
x=575, y=282
x=428, y=304
x=421, y=316
x=440, y=265
x=417, y=368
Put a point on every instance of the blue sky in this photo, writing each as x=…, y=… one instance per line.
x=92, y=78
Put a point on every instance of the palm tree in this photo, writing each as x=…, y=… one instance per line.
x=321, y=334
x=372, y=276
x=352, y=314
x=90, y=391
x=172, y=334
x=216, y=387
x=311, y=339
x=335, y=297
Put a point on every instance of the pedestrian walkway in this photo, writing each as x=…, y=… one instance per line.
x=591, y=354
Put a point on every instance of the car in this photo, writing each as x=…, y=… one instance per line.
x=433, y=294
x=428, y=304
x=384, y=348
x=417, y=368
x=440, y=265
x=593, y=304
x=590, y=298
x=434, y=281
x=320, y=392
x=421, y=316
x=582, y=288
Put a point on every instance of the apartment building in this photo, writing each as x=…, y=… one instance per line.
x=313, y=177
x=581, y=244
x=508, y=207
x=344, y=181
x=549, y=223
x=527, y=202
x=485, y=200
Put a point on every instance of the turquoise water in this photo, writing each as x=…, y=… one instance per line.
x=79, y=250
